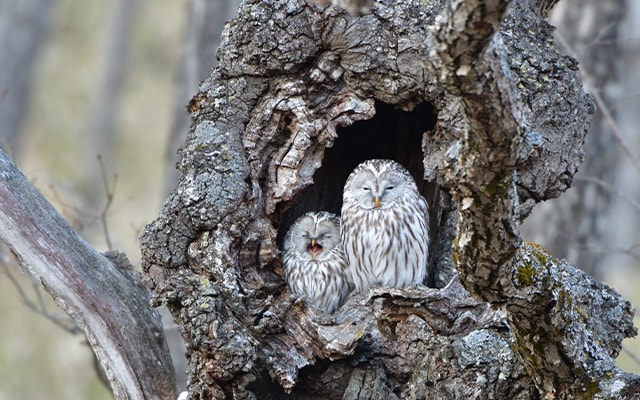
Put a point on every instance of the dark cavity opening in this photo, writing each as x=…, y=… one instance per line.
x=391, y=133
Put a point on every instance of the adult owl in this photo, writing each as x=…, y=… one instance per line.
x=315, y=265
x=384, y=226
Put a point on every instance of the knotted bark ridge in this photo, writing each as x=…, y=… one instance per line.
x=475, y=100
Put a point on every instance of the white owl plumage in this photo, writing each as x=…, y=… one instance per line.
x=384, y=226
x=315, y=265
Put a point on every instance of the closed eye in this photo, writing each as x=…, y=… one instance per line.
x=390, y=187
x=366, y=188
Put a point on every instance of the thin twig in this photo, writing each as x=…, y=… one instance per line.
x=594, y=249
x=102, y=215
x=109, y=193
x=608, y=42
x=71, y=212
x=60, y=320
x=598, y=39
x=610, y=188
x=573, y=243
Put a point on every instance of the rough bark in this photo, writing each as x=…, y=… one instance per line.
x=473, y=97
x=101, y=293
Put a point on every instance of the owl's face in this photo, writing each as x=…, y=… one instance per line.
x=378, y=184
x=314, y=236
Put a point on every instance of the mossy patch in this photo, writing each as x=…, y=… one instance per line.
x=540, y=253
x=531, y=256
x=524, y=275
x=498, y=185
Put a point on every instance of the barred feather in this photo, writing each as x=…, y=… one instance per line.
x=387, y=244
x=322, y=279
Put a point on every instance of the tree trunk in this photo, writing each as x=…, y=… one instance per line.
x=471, y=96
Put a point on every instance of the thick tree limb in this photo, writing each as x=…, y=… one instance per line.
x=484, y=180
x=101, y=294
x=488, y=236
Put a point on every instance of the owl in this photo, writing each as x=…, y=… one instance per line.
x=315, y=265
x=384, y=226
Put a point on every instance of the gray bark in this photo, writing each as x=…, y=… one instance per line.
x=474, y=98
x=102, y=294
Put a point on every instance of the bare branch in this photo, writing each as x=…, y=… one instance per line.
x=109, y=192
x=63, y=321
x=610, y=188
x=101, y=297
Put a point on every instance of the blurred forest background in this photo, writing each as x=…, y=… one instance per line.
x=82, y=79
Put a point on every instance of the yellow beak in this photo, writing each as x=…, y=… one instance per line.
x=376, y=202
x=314, y=249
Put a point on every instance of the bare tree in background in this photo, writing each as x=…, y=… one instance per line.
x=625, y=219
x=578, y=225
x=627, y=231
x=24, y=26
x=113, y=67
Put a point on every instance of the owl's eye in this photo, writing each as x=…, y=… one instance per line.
x=390, y=187
x=366, y=188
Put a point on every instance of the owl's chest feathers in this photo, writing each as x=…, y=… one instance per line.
x=384, y=227
x=394, y=239
x=318, y=273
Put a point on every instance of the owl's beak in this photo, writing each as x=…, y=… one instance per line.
x=314, y=248
x=376, y=202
